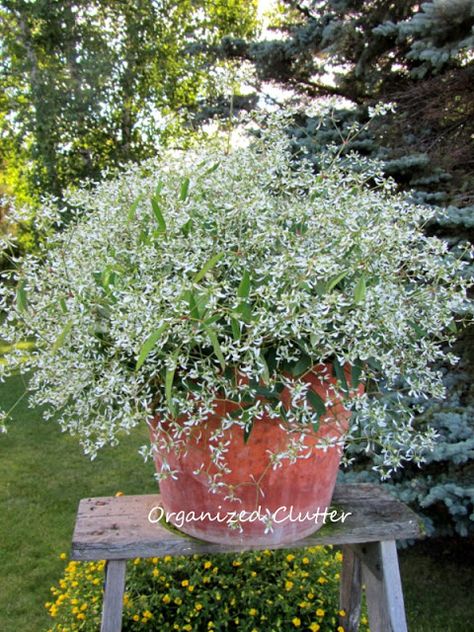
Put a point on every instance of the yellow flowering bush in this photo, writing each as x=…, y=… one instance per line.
x=250, y=592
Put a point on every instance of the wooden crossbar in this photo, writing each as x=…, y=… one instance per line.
x=117, y=528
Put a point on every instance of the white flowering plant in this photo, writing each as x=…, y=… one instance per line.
x=172, y=280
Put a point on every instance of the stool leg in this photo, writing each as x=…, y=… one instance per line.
x=381, y=576
x=113, y=596
x=350, y=596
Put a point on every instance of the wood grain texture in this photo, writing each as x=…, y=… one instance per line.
x=116, y=528
x=383, y=586
x=350, y=595
x=393, y=586
x=113, y=596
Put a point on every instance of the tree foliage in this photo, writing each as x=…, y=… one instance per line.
x=89, y=85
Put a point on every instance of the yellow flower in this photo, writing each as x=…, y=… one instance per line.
x=290, y=557
x=136, y=617
x=322, y=580
x=236, y=563
x=191, y=588
x=155, y=572
x=252, y=612
x=207, y=564
x=211, y=625
x=187, y=627
x=166, y=599
x=296, y=622
x=338, y=557
x=342, y=613
x=119, y=493
x=147, y=614
x=198, y=606
x=81, y=616
x=340, y=628
x=84, y=606
x=62, y=556
x=168, y=558
x=288, y=585
x=320, y=612
x=310, y=595
x=178, y=601
x=305, y=560
x=253, y=574
x=364, y=621
x=185, y=582
x=314, y=627
x=154, y=560
x=136, y=561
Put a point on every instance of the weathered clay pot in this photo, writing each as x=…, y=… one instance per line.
x=296, y=493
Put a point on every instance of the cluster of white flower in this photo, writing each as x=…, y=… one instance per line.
x=181, y=271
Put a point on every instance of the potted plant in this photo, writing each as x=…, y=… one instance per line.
x=245, y=306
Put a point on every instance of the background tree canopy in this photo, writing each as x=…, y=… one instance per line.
x=89, y=85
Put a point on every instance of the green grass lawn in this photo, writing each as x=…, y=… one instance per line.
x=43, y=475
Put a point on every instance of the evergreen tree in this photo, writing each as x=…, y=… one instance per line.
x=419, y=56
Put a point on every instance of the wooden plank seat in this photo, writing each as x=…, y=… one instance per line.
x=117, y=528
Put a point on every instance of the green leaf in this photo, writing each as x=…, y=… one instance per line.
x=266, y=372
x=158, y=215
x=62, y=305
x=169, y=378
x=235, y=328
x=216, y=346
x=212, y=319
x=148, y=345
x=360, y=290
x=330, y=285
x=207, y=266
x=133, y=209
x=183, y=194
x=268, y=393
x=340, y=375
x=420, y=332
x=193, y=306
x=356, y=373
x=320, y=288
x=247, y=431
x=316, y=402
x=301, y=366
x=244, y=286
x=62, y=337
x=212, y=169
x=245, y=311
x=453, y=328
x=21, y=300
x=186, y=228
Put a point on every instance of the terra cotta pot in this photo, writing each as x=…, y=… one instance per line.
x=296, y=494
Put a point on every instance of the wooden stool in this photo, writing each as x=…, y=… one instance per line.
x=116, y=529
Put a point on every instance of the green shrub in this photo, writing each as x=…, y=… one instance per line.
x=263, y=590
